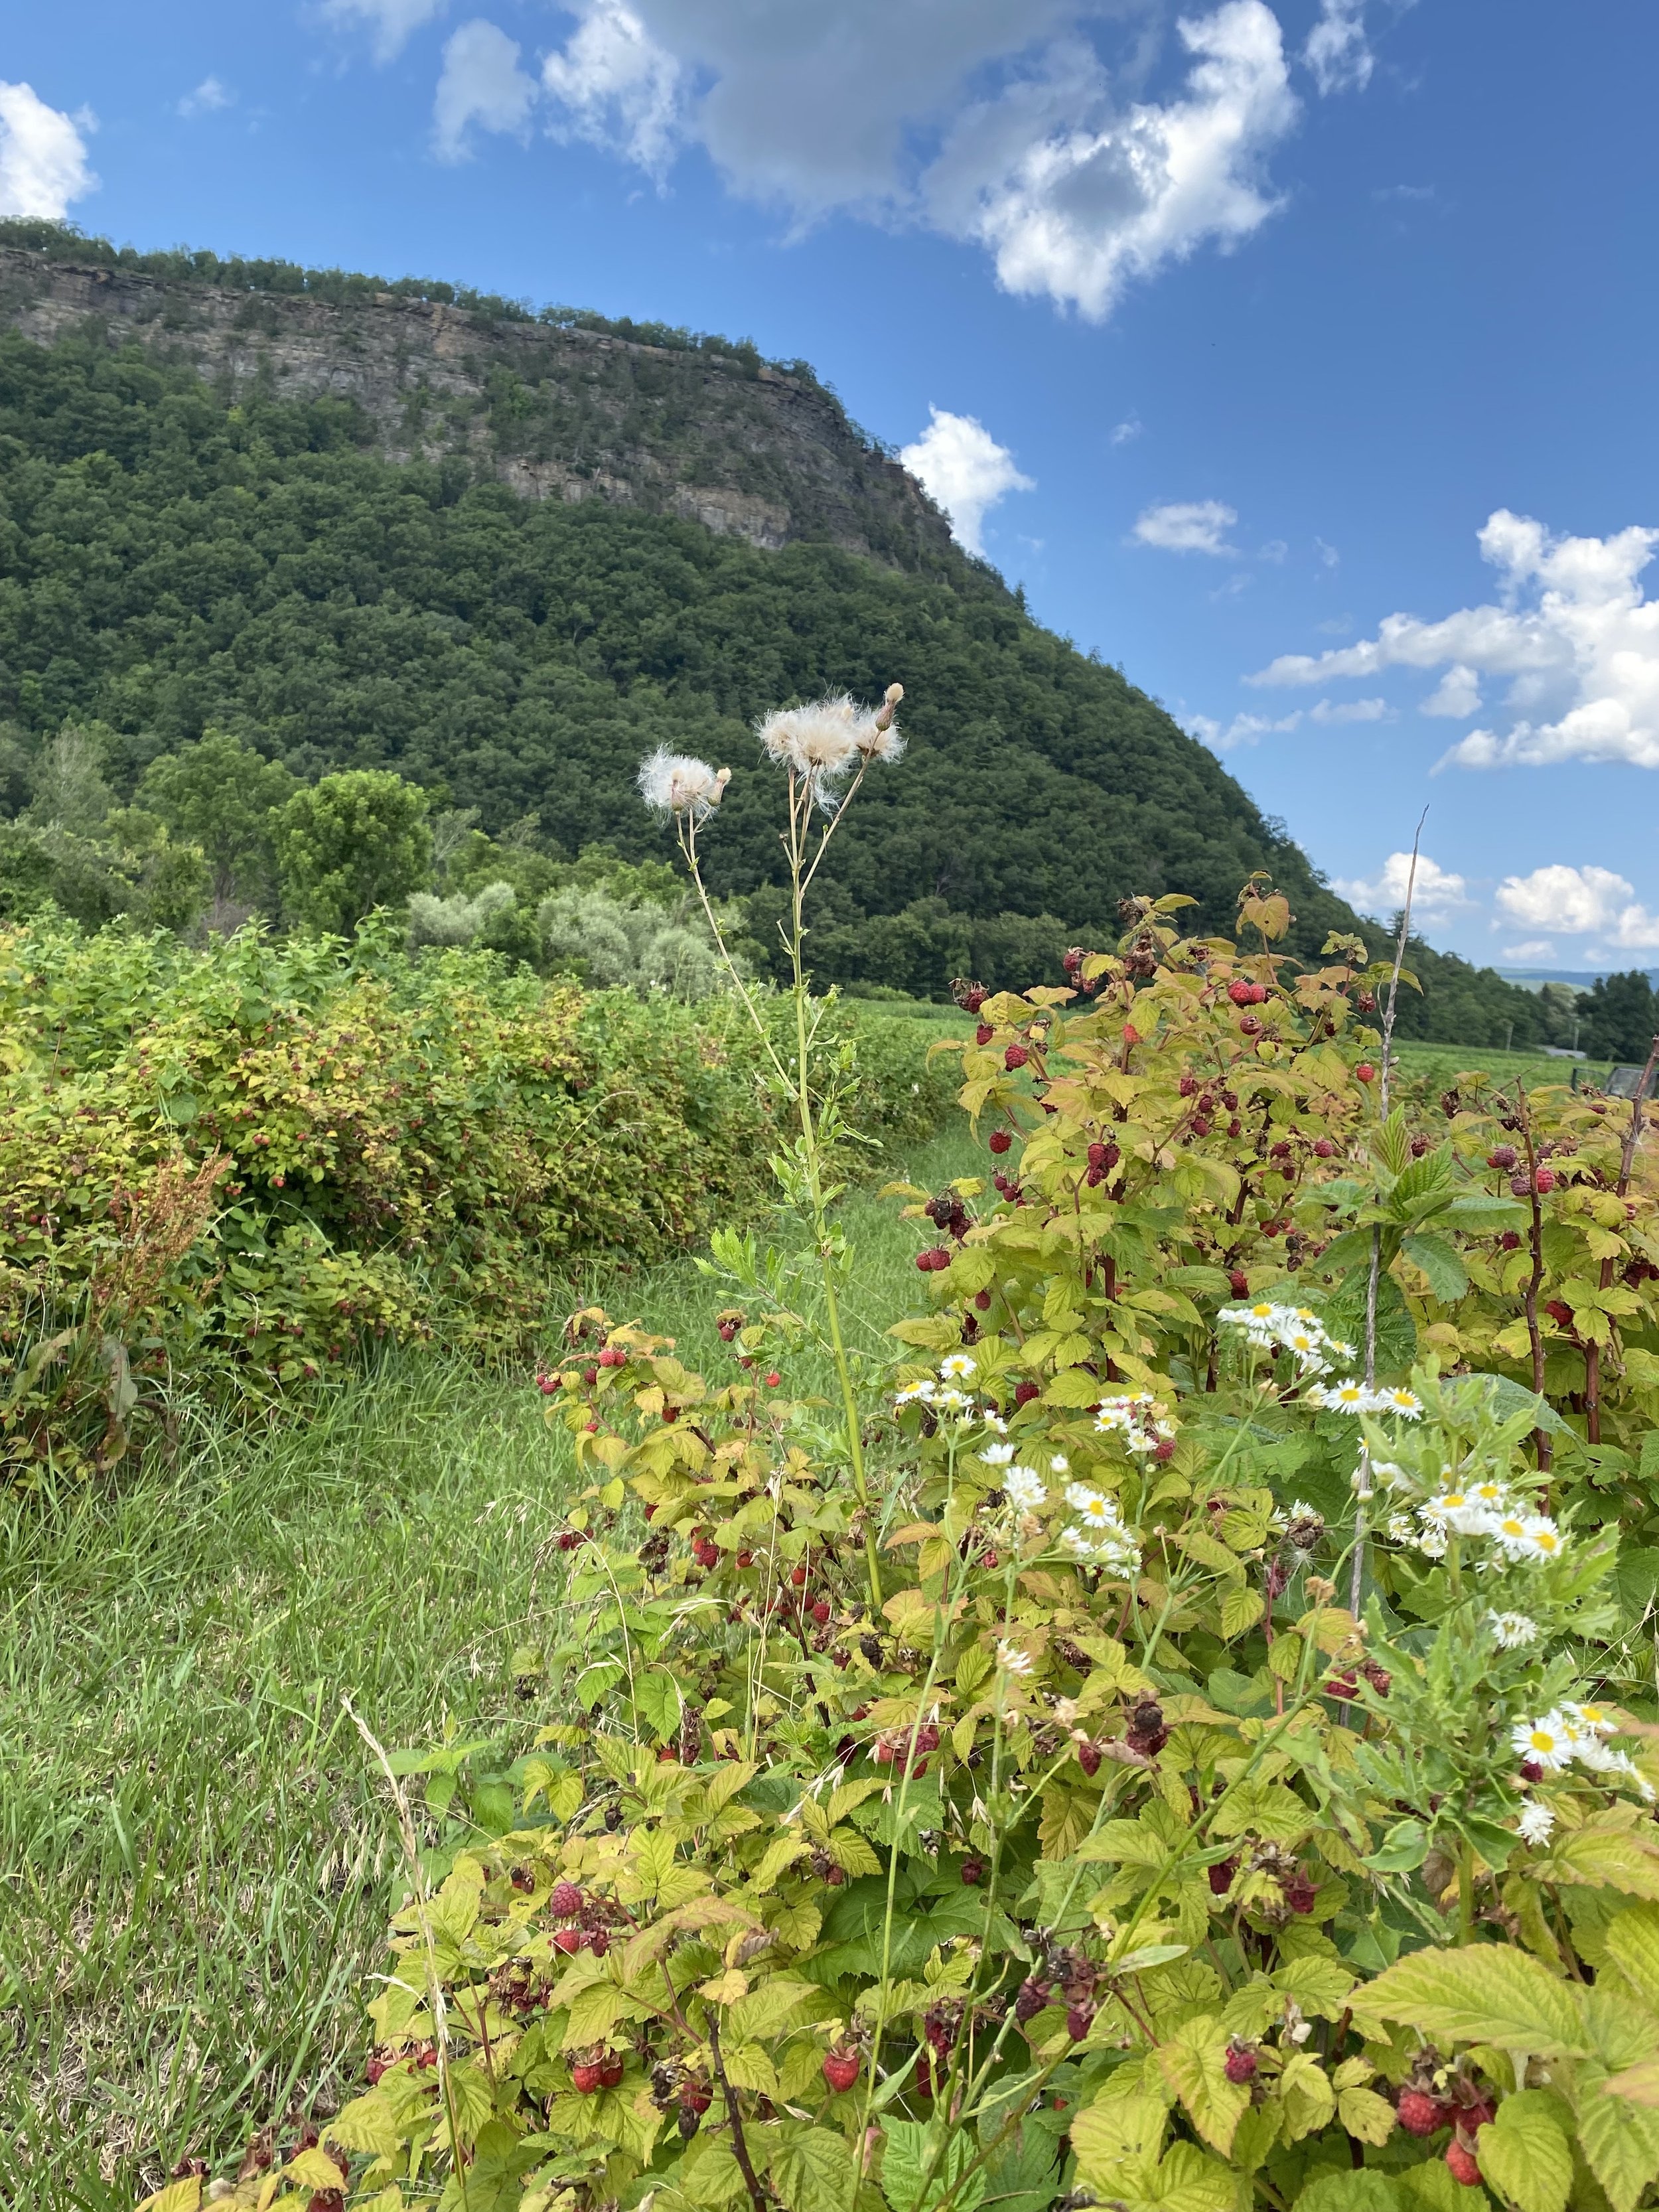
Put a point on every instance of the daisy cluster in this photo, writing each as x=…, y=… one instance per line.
x=1351, y=1397
x=943, y=1394
x=1099, y=1536
x=1295, y=1329
x=1571, y=1735
x=1137, y=1416
x=1484, y=1510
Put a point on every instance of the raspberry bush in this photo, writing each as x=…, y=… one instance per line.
x=1179, y=1732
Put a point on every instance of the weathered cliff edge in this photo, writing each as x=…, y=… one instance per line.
x=555, y=412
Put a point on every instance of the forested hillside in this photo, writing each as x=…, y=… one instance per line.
x=181, y=555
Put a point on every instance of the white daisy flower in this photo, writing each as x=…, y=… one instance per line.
x=1594, y=1720
x=1455, y=1511
x=1545, y=1742
x=1535, y=1823
x=994, y=1421
x=1012, y=1660
x=1060, y=1464
x=1544, y=1538
x=952, y=1401
x=1401, y=1529
x=1098, y=1510
x=1406, y=1403
x=997, y=1455
x=1432, y=1541
x=1512, y=1630
x=1025, y=1488
x=957, y=1367
x=915, y=1393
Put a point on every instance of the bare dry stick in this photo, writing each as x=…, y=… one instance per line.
x=1363, y=1475
x=435, y=1993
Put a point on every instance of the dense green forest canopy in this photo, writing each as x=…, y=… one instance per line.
x=176, y=561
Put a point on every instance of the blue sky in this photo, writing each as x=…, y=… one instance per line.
x=1297, y=356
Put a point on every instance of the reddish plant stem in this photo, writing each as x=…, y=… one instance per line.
x=1626, y=1164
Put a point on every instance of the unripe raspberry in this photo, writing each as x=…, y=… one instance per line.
x=1000, y=1140
x=1240, y=2064
x=1417, y=2112
x=1016, y=1056
x=1463, y=2166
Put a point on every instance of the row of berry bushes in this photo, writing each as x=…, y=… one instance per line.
x=241, y=1162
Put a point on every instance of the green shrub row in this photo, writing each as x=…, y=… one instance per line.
x=240, y=1164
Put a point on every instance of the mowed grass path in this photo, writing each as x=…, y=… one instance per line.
x=195, y=1862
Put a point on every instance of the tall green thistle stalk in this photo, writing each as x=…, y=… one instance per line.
x=825, y=749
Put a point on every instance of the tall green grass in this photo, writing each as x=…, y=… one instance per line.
x=197, y=1865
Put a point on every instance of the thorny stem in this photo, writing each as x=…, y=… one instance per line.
x=740, y=2147
x=428, y=1946
x=1626, y=1162
x=1363, y=1475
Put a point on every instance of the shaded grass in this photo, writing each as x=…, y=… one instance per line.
x=196, y=1864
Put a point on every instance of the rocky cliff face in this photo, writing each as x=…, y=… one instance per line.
x=566, y=414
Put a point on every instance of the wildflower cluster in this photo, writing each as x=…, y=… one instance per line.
x=1098, y=1535
x=1270, y=1327
x=1138, y=1418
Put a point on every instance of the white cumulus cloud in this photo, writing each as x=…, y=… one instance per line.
x=965, y=470
x=1436, y=892
x=1331, y=711
x=1580, y=901
x=1077, y=197
x=1456, y=695
x=617, y=87
x=392, y=23
x=43, y=154
x=1242, y=730
x=1195, y=526
x=480, y=83
x=1337, y=51
x=208, y=98
x=995, y=121
x=1534, y=948
x=1573, y=636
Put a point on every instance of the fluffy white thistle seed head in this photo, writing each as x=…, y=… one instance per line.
x=679, y=783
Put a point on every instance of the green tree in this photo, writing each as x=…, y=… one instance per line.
x=220, y=794
x=351, y=843
x=1621, y=1013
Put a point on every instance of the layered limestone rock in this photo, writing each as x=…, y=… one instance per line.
x=556, y=413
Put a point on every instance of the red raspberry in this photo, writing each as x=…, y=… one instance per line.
x=973, y=1872
x=1088, y=1757
x=1366, y=1073
x=1463, y=2165
x=772, y=1379
x=1201, y=1127
x=1032, y=1999
x=599, y=1942
x=585, y=2077
x=611, y=2071
x=841, y=2070
x=1000, y=1140
x=1239, y=1283
x=1258, y=994
x=569, y=1540
x=1501, y=1156
x=1240, y=2064
x=1016, y=1056
x=984, y=1033
x=1544, y=1181
x=982, y=1300
x=1080, y=2019
x=1510, y=1240
x=798, y=1576
x=820, y=1611
x=1024, y=1392
x=590, y=1376
x=1417, y=2112
x=1221, y=1876
x=1239, y=992
x=1324, y=1148
x=745, y=1559
x=1521, y=1185
x=568, y=1940
x=566, y=1900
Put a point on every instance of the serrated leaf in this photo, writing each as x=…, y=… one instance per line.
x=1241, y=1609
x=1633, y=1945
x=1488, y=1993
x=812, y=2171
x=1525, y=2155
x=749, y=2067
x=1193, y=2060
x=1367, y=2117
x=1448, y=1279
x=1619, y=2139
x=912, y=2148
x=1352, y=2192
x=368, y=2123
x=1115, y=2133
